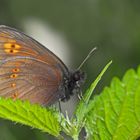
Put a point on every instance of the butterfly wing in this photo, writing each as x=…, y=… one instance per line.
x=28, y=70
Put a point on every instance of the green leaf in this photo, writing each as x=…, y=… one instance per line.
x=115, y=113
x=82, y=108
x=35, y=116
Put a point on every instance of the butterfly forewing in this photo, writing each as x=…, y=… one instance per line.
x=28, y=70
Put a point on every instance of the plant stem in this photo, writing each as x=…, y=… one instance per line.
x=75, y=137
x=60, y=137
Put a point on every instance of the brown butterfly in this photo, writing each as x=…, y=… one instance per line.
x=29, y=71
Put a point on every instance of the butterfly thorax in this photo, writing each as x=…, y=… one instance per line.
x=73, y=84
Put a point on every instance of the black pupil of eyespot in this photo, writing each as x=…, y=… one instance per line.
x=13, y=46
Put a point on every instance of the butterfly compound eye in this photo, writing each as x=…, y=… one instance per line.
x=79, y=75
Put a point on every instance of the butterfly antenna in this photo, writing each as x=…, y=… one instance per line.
x=87, y=57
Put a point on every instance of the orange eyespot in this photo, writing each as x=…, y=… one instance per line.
x=15, y=95
x=11, y=51
x=15, y=70
x=13, y=85
x=11, y=46
x=13, y=75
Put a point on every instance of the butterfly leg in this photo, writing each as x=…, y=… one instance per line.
x=59, y=105
x=80, y=96
x=60, y=111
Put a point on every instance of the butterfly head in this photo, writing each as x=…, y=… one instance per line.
x=77, y=79
x=73, y=84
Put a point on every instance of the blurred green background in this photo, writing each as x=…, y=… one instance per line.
x=73, y=28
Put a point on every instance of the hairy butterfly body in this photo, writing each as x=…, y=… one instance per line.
x=29, y=71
